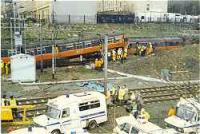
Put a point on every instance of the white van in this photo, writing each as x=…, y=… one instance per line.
x=42, y=130
x=187, y=118
x=86, y=109
x=131, y=125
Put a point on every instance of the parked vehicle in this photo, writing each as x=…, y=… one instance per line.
x=187, y=119
x=131, y=125
x=78, y=110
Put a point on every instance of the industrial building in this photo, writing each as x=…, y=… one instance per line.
x=86, y=11
x=60, y=11
x=146, y=10
x=134, y=6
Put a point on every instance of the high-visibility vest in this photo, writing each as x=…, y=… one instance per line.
x=13, y=102
x=121, y=94
x=107, y=94
x=125, y=54
x=7, y=69
x=96, y=63
x=113, y=90
x=125, y=50
x=145, y=115
x=172, y=112
x=57, y=49
x=3, y=102
x=101, y=61
x=113, y=56
x=2, y=64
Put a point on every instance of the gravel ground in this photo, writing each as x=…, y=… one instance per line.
x=183, y=59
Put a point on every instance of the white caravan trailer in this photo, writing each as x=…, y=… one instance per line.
x=187, y=119
x=86, y=109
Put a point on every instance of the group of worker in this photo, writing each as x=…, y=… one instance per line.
x=119, y=54
x=10, y=102
x=120, y=96
x=144, y=50
x=98, y=64
x=117, y=95
x=5, y=68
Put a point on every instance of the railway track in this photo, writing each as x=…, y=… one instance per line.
x=149, y=95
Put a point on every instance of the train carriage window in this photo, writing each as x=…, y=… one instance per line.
x=89, y=44
x=167, y=43
x=74, y=45
x=48, y=49
x=162, y=44
x=84, y=44
x=171, y=43
x=43, y=50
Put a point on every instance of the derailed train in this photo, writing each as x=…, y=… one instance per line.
x=93, y=48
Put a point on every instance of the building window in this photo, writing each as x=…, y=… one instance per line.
x=148, y=7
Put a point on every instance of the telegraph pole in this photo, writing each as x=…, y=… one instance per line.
x=11, y=36
x=53, y=46
x=14, y=14
x=41, y=62
x=105, y=64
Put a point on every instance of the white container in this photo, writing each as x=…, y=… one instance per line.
x=23, y=68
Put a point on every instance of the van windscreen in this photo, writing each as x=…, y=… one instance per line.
x=53, y=112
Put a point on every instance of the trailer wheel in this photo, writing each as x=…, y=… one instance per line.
x=92, y=124
x=56, y=131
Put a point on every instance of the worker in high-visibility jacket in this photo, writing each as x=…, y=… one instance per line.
x=7, y=68
x=108, y=97
x=113, y=94
x=56, y=49
x=125, y=54
x=101, y=63
x=4, y=101
x=149, y=49
x=13, y=102
x=109, y=56
x=113, y=55
x=145, y=115
x=121, y=94
x=142, y=50
x=119, y=54
x=2, y=67
x=172, y=111
x=126, y=96
x=96, y=64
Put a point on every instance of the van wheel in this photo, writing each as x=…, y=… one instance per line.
x=55, y=132
x=92, y=124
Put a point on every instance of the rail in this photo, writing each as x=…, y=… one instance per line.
x=149, y=95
